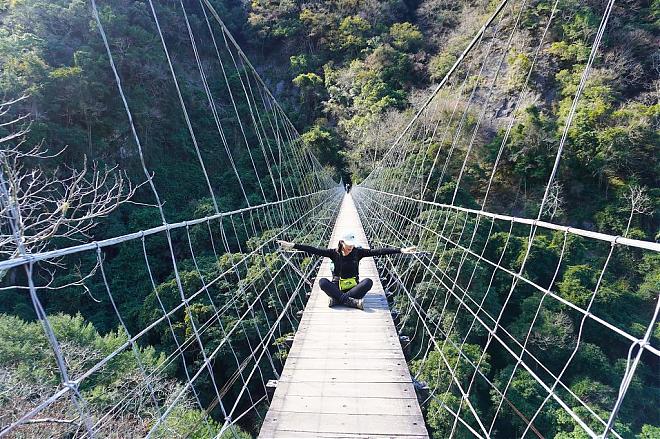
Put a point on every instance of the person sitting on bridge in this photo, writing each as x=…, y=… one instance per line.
x=346, y=288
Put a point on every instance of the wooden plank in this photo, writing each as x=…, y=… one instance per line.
x=345, y=406
x=348, y=390
x=346, y=353
x=355, y=345
x=330, y=324
x=345, y=363
x=372, y=336
x=306, y=435
x=391, y=425
x=345, y=375
x=341, y=310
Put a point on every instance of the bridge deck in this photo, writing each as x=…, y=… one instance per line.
x=345, y=375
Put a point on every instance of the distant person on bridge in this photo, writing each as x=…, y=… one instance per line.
x=346, y=288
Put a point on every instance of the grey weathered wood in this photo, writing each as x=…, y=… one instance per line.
x=345, y=405
x=345, y=424
x=345, y=375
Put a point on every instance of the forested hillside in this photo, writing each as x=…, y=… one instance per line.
x=364, y=65
x=349, y=74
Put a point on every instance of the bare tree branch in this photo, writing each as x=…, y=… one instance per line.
x=640, y=203
x=554, y=204
x=46, y=205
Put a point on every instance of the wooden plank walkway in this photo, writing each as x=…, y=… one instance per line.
x=345, y=375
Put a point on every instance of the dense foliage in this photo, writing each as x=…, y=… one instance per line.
x=350, y=74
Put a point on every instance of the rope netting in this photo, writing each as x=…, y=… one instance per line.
x=511, y=317
x=218, y=302
x=505, y=333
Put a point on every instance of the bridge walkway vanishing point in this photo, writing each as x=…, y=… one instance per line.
x=345, y=375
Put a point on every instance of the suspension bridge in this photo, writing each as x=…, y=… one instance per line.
x=345, y=374
x=493, y=334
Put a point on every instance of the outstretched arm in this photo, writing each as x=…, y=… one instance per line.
x=306, y=248
x=380, y=251
x=387, y=251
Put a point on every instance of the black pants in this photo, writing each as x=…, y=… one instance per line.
x=357, y=292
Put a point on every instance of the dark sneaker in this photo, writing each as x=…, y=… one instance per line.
x=332, y=302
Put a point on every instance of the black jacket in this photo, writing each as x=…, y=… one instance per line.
x=346, y=266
